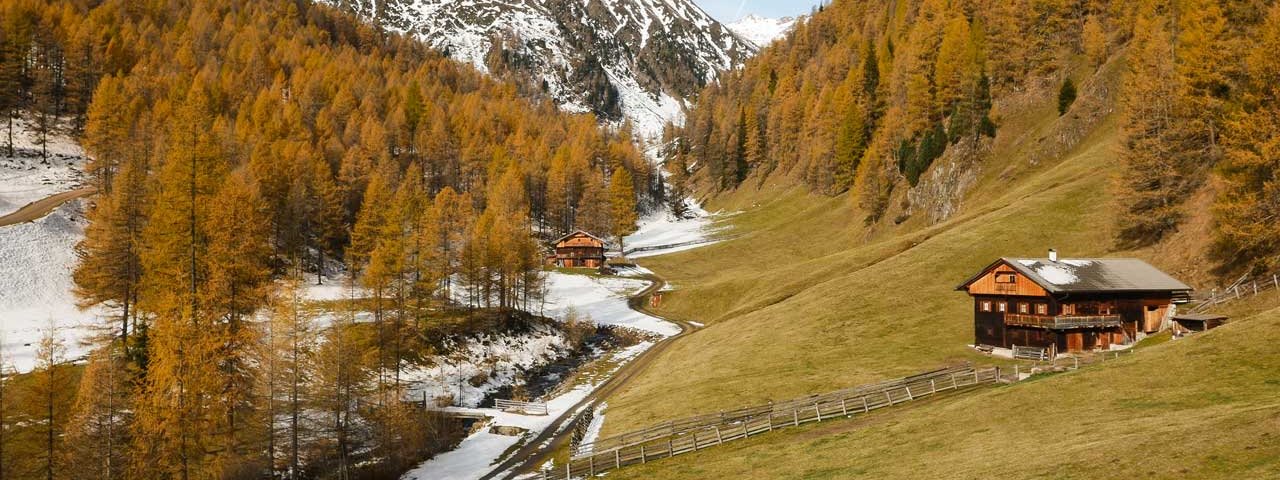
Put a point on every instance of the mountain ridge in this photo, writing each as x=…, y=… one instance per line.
x=569, y=51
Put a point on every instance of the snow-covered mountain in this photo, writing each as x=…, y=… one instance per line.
x=761, y=31
x=622, y=59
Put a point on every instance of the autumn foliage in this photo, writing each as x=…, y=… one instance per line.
x=863, y=97
x=241, y=145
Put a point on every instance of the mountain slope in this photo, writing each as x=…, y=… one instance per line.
x=621, y=59
x=808, y=299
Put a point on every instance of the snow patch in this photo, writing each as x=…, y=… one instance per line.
x=36, y=261
x=491, y=361
x=27, y=176
x=603, y=300
x=662, y=232
x=1056, y=275
x=761, y=31
x=597, y=424
x=478, y=453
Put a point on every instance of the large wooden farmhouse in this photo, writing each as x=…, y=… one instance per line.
x=1070, y=304
x=578, y=249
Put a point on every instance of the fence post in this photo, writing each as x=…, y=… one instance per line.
x=890, y=397
x=1077, y=360
x=1255, y=287
x=719, y=439
x=771, y=421
x=591, y=465
x=795, y=417
x=843, y=410
x=933, y=388
x=670, y=451
x=568, y=474
x=954, y=385
x=643, y=459
x=1237, y=289
x=817, y=412
x=617, y=458
x=746, y=432
x=1016, y=375
x=865, y=408
x=909, y=396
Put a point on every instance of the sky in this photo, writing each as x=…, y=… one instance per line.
x=731, y=10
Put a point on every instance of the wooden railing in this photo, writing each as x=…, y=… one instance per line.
x=1061, y=321
x=1242, y=288
x=516, y=406
x=677, y=437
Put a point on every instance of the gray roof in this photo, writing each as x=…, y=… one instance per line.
x=1076, y=275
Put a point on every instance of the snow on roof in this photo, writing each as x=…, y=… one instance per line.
x=1057, y=275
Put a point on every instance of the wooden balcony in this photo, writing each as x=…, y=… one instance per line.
x=1061, y=322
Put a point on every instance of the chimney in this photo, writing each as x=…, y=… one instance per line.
x=1053, y=255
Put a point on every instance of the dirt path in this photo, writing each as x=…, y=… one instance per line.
x=536, y=451
x=42, y=207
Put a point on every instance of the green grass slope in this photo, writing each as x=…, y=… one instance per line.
x=782, y=325
x=1203, y=407
x=806, y=299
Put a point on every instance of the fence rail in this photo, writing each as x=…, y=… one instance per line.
x=695, y=433
x=528, y=408
x=1242, y=288
x=675, y=427
x=650, y=248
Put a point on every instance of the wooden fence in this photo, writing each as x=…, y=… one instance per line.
x=650, y=248
x=677, y=437
x=1242, y=288
x=516, y=406
x=1068, y=362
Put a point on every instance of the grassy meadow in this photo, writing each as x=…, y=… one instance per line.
x=806, y=298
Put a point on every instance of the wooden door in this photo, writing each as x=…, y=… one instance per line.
x=1152, y=317
x=1075, y=341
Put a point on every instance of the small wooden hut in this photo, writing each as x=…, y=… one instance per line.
x=1186, y=323
x=1070, y=304
x=578, y=249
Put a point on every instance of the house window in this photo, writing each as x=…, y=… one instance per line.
x=985, y=305
x=1006, y=278
x=1002, y=307
x=1024, y=307
x=1069, y=309
x=1042, y=309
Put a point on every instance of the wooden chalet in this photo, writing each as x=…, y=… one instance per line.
x=578, y=249
x=1070, y=304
